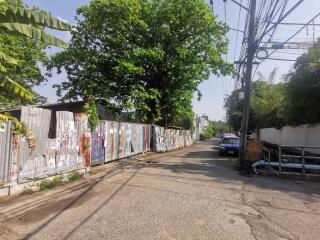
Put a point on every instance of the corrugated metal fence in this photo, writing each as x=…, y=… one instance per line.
x=5, y=151
x=170, y=139
x=74, y=146
x=51, y=156
x=115, y=140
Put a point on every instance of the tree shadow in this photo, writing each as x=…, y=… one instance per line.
x=206, y=162
x=194, y=167
x=57, y=206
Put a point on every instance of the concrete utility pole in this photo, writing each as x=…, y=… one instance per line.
x=246, y=106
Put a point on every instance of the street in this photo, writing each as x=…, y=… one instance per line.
x=190, y=193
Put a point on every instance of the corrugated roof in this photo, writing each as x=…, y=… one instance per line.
x=2, y=109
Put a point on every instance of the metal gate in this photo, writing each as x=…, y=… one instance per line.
x=97, y=145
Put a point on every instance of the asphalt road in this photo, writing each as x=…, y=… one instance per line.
x=186, y=194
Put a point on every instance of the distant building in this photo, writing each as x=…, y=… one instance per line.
x=201, y=123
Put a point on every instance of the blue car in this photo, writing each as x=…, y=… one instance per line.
x=229, y=146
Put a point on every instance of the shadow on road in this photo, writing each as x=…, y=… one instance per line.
x=205, y=161
x=199, y=164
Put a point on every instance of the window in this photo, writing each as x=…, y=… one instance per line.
x=231, y=140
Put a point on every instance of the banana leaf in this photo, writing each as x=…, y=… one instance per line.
x=34, y=33
x=33, y=17
x=4, y=5
x=10, y=86
x=6, y=58
x=2, y=68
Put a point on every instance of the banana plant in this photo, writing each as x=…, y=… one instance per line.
x=29, y=23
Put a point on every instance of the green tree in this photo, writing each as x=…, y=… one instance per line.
x=26, y=72
x=219, y=126
x=266, y=107
x=267, y=103
x=234, y=107
x=15, y=20
x=208, y=132
x=213, y=128
x=146, y=57
x=303, y=88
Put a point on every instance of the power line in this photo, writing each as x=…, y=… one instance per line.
x=294, y=30
x=268, y=56
x=289, y=60
x=236, y=46
x=240, y=5
x=281, y=14
x=237, y=30
x=273, y=9
x=284, y=16
x=296, y=24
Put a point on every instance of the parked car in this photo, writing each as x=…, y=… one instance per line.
x=229, y=146
x=228, y=135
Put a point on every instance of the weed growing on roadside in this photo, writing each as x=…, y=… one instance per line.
x=50, y=183
x=27, y=191
x=74, y=175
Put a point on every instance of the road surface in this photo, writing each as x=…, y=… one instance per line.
x=186, y=194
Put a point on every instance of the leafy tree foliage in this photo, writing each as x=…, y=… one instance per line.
x=291, y=103
x=17, y=21
x=145, y=57
x=303, y=89
x=266, y=108
x=208, y=133
x=213, y=128
x=26, y=71
x=267, y=104
x=234, y=108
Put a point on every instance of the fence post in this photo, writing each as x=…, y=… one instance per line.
x=279, y=157
x=269, y=159
x=303, y=161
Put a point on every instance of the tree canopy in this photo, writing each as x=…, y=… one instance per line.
x=266, y=107
x=145, y=57
x=26, y=71
x=291, y=102
x=303, y=89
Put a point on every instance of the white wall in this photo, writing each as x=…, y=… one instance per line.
x=303, y=135
x=203, y=124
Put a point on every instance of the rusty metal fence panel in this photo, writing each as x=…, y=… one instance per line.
x=97, y=144
x=125, y=139
x=75, y=145
x=5, y=151
x=111, y=141
x=67, y=154
x=137, y=139
x=50, y=156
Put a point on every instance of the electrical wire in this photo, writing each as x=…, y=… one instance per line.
x=291, y=37
x=236, y=46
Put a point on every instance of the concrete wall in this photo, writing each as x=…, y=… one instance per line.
x=303, y=135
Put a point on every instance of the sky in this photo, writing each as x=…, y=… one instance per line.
x=215, y=88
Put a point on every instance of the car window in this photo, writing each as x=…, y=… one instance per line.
x=231, y=140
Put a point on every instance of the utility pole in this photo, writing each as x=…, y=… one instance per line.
x=246, y=106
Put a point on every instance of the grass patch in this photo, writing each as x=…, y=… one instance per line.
x=73, y=176
x=27, y=191
x=50, y=183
